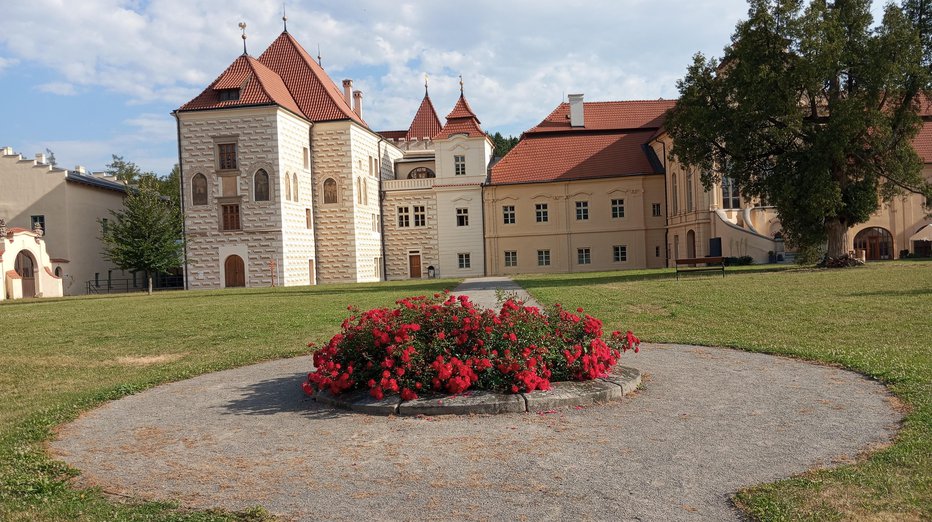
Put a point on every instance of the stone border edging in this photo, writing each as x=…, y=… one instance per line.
x=561, y=395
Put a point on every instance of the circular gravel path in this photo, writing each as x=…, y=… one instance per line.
x=708, y=422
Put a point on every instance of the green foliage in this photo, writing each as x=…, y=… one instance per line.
x=503, y=144
x=812, y=109
x=146, y=234
x=125, y=171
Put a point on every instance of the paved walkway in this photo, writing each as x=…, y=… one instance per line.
x=484, y=291
x=708, y=422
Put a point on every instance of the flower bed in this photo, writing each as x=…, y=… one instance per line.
x=447, y=345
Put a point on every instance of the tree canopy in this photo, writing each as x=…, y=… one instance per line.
x=503, y=144
x=146, y=234
x=814, y=109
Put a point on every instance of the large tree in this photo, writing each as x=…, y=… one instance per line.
x=812, y=108
x=146, y=234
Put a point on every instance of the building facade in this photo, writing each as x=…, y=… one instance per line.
x=66, y=207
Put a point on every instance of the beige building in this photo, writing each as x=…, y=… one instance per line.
x=66, y=206
x=580, y=192
x=434, y=221
x=25, y=266
x=280, y=176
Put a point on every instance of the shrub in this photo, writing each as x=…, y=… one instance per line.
x=445, y=344
x=739, y=261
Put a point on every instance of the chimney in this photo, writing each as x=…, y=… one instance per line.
x=80, y=169
x=40, y=158
x=577, y=118
x=7, y=151
x=348, y=91
x=357, y=103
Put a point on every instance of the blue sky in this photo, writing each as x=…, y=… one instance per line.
x=98, y=77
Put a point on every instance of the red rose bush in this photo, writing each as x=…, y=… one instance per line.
x=445, y=344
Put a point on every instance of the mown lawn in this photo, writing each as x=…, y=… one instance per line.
x=60, y=357
x=876, y=320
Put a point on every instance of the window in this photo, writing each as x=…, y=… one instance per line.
x=295, y=190
x=330, y=191
x=511, y=258
x=375, y=223
x=582, y=210
x=462, y=217
x=365, y=192
x=542, y=215
x=229, y=94
x=583, y=256
x=287, y=186
x=40, y=221
x=307, y=218
x=463, y=260
x=459, y=165
x=307, y=159
x=689, y=192
x=199, y=189
x=230, y=217
x=620, y=253
x=655, y=210
x=58, y=273
x=377, y=263
x=508, y=214
x=359, y=191
x=421, y=173
x=543, y=258
x=420, y=216
x=404, y=217
x=676, y=195
x=657, y=251
x=226, y=153
x=618, y=208
x=730, y=197
x=261, y=186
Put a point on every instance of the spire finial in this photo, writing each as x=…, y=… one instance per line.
x=461, y=85
x=318, y=56
x=242, y=25
x=284, y=17
x=426, y=78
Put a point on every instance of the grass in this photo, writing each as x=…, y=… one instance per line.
x=63, y=356
x=876, y=320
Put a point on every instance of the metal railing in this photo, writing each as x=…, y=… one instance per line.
x=140, y=284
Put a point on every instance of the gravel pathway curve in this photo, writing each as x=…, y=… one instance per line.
x=708, y=422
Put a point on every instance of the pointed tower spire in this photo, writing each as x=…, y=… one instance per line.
x=461, y=85
x=284, y=18
x=318, y=56
x=426, y=78
x=242, y=26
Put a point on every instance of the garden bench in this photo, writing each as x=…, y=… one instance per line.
x=710, y=264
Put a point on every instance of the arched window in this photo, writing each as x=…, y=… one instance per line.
x=365, y=192
x=676, y=197
x=689, y=192
x=359, y=191
x=421, y=173
x=295, y=190
x=288, y=186
x=199, y=189
x=330, y=191
x=57, y=271
x=261, y=184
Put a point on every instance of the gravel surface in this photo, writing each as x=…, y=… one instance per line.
x=708, y=422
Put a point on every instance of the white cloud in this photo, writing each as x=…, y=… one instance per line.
x=59, y=88
x=7, y=62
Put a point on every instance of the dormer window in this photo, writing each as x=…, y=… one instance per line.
x=229, y=94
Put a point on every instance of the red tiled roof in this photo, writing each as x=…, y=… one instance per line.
x=394, y=135
x=574, y=156
x=258, y=85
x=923, y=142
x=616, y=115
x=425, y=124
x=461, y=120
x=462, y=110
x=316, y=94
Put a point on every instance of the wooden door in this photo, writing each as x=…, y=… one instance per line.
x=414, y=266
x=26, y=268
x=234, y=272
x=311, y=271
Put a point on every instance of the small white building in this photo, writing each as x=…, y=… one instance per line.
x=25, y=265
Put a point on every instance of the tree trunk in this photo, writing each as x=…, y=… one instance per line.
x=150, y=284
x=836, y=238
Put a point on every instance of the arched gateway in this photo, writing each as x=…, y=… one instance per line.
x=25, y=267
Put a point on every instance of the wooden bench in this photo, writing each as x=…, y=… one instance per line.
x=710, y=264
